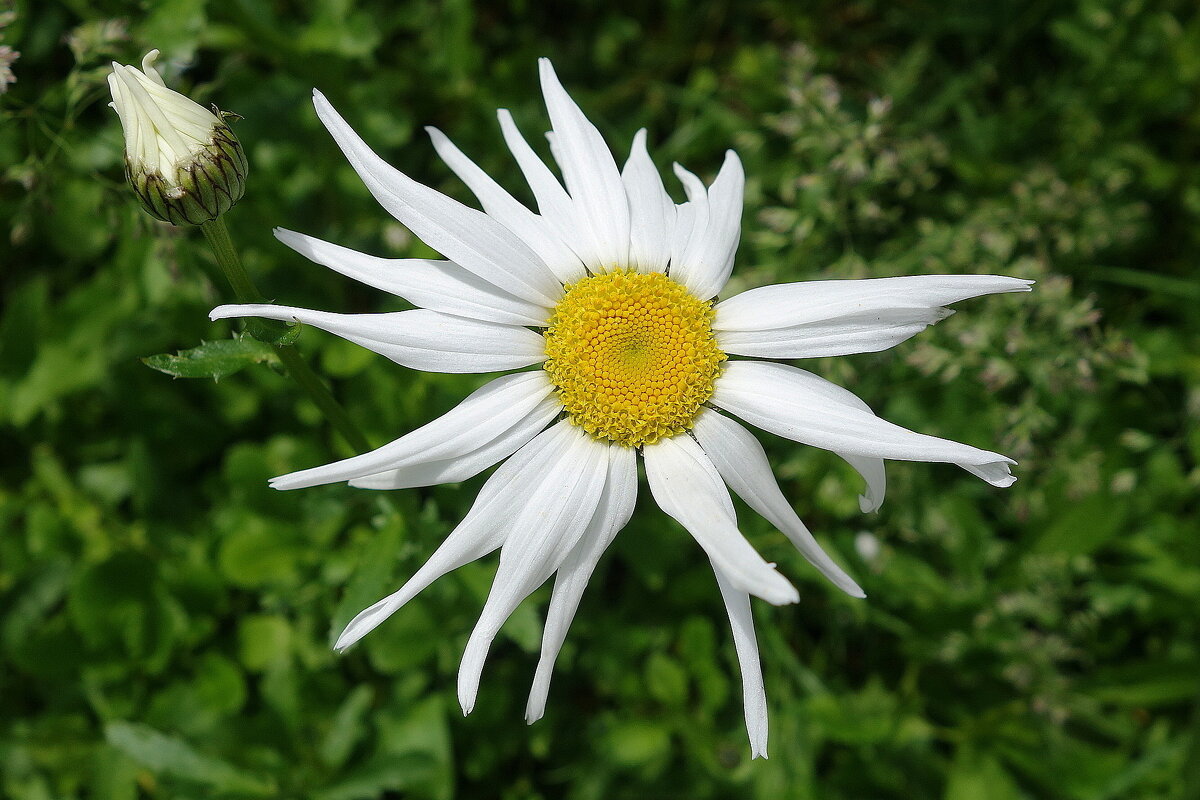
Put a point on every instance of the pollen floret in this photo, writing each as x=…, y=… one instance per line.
x=632, y=355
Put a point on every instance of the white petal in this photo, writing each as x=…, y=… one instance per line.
x=485, y=528
x=500, y=205
x=555, y=514
x=470, y=238
x=871, y=468
x=833, y=318
x=707, y=260
x=687, y=487
x=691, y=231
x=754, y=694
x=798, y=405
x=874, y=473
x=996, y=473
x=488, y=413
x=552, y=199
x=651, y=210
x=681, y=234
x=424, y=340
x=459, y=468
x=741, y=461
x=437, y=285
x=614, y=511
x=591, y=175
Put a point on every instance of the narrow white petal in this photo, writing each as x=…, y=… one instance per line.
x=687, y=487
x=707, y=260
x=500, y=205
x=651, y=210
x=488, y=413
x=424, y=340
x=996, y=473
x=555, y=513
x=742, y=462
x=681, y=234
x=461, y=467
x=754, y=694
x=614, y=511
x=862, y=332
x=437, y=285
x=725, y=198
x=591, y=175
x=484, y=529
x=833, y=318
x=798, y=405
x=874, y=473
x=691, y=231
x=470, y=238
x=552, y=199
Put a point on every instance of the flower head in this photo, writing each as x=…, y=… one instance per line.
x=607, y=291
x=182, y=159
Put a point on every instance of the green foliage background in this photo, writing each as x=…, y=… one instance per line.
x=166, y=619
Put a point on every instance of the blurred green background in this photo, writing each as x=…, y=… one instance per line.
x=166, y=619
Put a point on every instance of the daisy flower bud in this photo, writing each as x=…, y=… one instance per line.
x=182, y=160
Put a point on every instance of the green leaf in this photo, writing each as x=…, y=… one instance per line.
x=1149, y=684
x=666, y=680
x=372, y=575
x=869, y=716
x=346, y=727
x=174, y=757
x=264, y=640
x=259, y=553
x=119, y=606
x=1083, y=527
x=979, y=776
x=213, y=359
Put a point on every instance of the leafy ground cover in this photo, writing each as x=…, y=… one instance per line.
x=166, y=619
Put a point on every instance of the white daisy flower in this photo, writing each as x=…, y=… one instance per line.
x=608, y=292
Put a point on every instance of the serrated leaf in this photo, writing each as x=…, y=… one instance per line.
x=213, y=360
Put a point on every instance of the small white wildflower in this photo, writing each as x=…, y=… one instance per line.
x=7, y=57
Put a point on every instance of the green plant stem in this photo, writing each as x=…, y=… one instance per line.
x=231, y=264
x=297, y=368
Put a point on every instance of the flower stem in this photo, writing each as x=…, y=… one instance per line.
x=299, y=370
x=218, y=237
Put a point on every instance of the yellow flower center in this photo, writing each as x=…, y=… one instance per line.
x=633, y=356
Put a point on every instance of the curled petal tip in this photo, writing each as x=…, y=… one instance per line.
x=223, y=312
